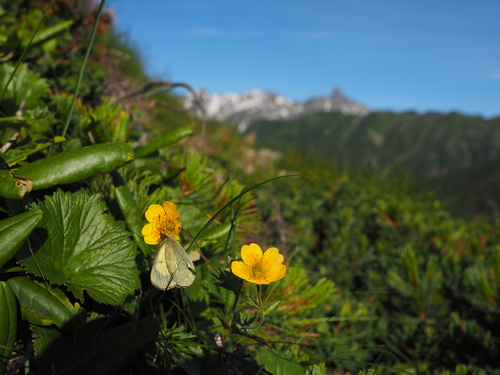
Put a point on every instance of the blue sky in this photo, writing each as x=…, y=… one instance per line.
x=398, y=55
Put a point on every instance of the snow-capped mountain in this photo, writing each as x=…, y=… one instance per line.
x=241, y=109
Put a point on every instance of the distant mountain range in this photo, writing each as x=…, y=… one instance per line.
x=455, y=155
x=243, y=108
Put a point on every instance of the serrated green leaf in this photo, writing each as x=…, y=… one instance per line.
x=95, y=351
x=8, y=323
x=168, y=139
x=14, y=187
x=83, y=248
x=73, y=166
x=14, y=231
x=43, y=305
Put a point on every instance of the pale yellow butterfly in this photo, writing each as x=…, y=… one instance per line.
x=172, y=267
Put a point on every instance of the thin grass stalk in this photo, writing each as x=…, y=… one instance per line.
x=82, y=68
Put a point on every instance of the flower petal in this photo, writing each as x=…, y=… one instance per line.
x=275, y=273
x=271, y=256
x=271, y=266
x=148, y=229
x=251, y=254
x=154, y=213
x=171, y=210
x=151, y=234
x=241, y=270
x=258, y=281
x=257, y=267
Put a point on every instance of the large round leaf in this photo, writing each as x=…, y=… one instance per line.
x=83, y=248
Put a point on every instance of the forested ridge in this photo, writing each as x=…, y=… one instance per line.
x=428, y=150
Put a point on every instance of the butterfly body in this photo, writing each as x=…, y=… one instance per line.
x=172, y=267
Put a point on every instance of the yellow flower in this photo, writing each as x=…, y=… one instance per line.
x=259, y=268
x=163, y=221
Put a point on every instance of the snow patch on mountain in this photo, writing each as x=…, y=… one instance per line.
x=242, y=108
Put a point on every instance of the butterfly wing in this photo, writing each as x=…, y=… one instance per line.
x=172, y=266
x=180, y=266
x=160, y=277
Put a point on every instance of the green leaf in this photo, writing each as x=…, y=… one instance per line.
x=461, y=370
x=83, y=248
x=14, y=187
x=14, y=231
x=16, y=155
x=130, y=211
x=47, y=33
x=28, y=127
x=168, y=139
x=77, y=165
x=46, y=335
x=95, y=351
x=9, y=40
x=25, y=85
x=271, y=308
x=109, y=122
x=277, y=364
x=43, y=305
x=8, y=324
x=217, y=232
x=103, y=121
x=121, y=127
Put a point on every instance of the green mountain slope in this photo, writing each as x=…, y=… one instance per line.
x=470, y=191
x=430, y=145
x=423, y=148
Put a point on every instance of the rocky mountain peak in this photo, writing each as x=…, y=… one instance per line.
x=338, y=95
x=240, y=109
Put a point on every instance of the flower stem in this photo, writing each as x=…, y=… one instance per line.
x=261, y=310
